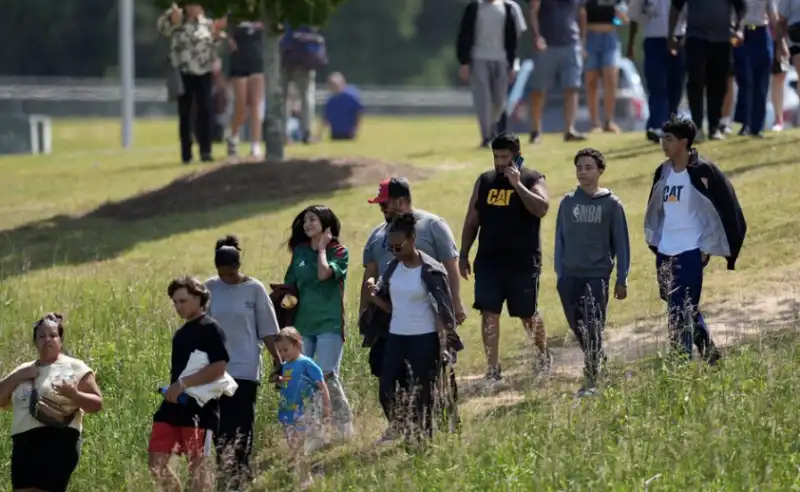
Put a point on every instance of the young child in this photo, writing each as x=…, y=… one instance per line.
x=300, y=379
x=591, y=233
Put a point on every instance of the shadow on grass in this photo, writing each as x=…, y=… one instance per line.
x=200, y=200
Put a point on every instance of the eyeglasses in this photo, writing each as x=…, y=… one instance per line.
x=396, y=248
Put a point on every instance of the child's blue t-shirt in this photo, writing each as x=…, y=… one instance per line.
x=300, y=379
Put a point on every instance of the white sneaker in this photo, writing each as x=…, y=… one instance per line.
x=777, y=127
x=255, y=150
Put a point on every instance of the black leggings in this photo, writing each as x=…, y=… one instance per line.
x=411, y=363
x=194, y=112
x=44, y=458
x=708, y=65
x=234, y=441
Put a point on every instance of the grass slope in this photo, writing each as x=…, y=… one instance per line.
x=658, y=427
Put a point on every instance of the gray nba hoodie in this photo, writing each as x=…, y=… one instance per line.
x=591, y=231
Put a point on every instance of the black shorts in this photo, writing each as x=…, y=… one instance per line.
x=243, y=73
x=777, y=68
x=519, y=291
x=44, y=458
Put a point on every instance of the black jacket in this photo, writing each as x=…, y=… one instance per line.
x=374, y=322
x=466, y=34
x=711, y=182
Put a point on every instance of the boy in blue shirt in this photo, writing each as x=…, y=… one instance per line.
x=300, y=379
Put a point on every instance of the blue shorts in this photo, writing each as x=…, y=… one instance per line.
x=563, y=64
x=602, y=49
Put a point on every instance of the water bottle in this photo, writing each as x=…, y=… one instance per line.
x=183, y=398
x=622, y=8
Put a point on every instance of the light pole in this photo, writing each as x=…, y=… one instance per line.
x=126, y=70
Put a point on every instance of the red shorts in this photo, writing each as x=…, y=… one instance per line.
x=172, y=439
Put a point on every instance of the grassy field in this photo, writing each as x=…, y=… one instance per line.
x=97, y=233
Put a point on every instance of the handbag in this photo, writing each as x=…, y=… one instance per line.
x=175, y=87
x=48, y=412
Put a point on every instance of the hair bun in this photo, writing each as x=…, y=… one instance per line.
x=229, y=240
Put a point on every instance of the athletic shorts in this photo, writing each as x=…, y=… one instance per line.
x=777, y=67
x=243, y=73
x=518, y=290
x=173, y=439
x=44, y=458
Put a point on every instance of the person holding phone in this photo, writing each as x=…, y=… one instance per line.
x=504, y=213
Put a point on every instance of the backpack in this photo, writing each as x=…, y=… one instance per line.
x=304, y=50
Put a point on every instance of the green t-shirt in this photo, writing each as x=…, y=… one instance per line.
x=321, y=303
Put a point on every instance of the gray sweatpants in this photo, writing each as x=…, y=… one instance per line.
x=585, y=303
x=305, y=84
x=489, y=81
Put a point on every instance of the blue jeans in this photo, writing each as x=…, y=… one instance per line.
x=665, y=75
x=753, y=64
x=680, y=280
x=602, y=49
x=326, y=350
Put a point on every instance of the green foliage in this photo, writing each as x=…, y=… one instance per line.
x=294, y=12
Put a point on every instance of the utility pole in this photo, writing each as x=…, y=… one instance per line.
x=126, y=71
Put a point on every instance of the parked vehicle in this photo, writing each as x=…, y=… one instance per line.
x=631, y=110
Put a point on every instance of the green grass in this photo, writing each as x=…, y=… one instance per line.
x=658, y=426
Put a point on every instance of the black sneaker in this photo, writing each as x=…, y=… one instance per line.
x=653, y=136
x=725, y=129
x=573, y=136
x=758, y=135
x=494, y=374
x=486, y=143
x=534, y=137
x=207, y=158
x=744, y=131
x=716, y=135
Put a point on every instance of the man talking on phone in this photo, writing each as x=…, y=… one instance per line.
x=504, y=214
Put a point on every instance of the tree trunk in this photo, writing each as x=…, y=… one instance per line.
x=274, y=122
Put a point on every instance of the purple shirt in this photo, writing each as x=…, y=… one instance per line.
x=558, y=21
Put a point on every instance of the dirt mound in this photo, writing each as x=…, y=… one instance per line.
x=249, y=182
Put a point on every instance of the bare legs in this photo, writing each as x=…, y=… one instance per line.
x=490, y=332
x=248, y=97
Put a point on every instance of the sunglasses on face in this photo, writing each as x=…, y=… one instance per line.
x=396, y=248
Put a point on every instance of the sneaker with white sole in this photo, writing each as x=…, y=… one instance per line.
x=587, y=392
x=255, y=150
x=233, y=146
x=494, y=374
x=777, y=127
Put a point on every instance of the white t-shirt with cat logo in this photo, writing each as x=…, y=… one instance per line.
x=682, y=226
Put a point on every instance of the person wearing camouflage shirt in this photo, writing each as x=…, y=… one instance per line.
x=194, y=40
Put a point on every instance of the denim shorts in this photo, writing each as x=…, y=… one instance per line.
x=562, y=64
x=602, y=50
x=326, y=350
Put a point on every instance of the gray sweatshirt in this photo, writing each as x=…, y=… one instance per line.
x=591, y=231
x=710, y=20
x=247, y=316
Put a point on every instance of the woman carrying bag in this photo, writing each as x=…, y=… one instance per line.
x=49, y=398
x=194, y=40
x=318, y=271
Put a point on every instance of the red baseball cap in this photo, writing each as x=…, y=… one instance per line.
x=392, y=188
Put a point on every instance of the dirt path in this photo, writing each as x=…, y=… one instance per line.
x=773, y=310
